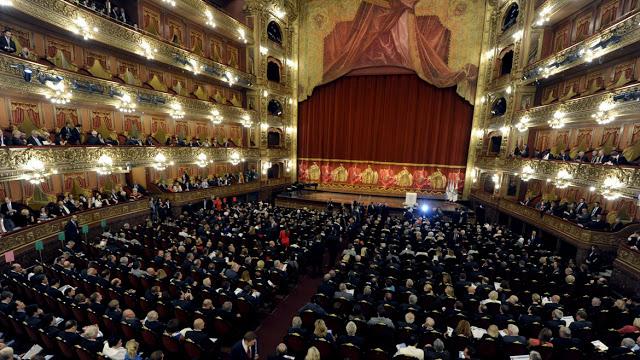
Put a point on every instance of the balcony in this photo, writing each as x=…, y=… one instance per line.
x=187, y=197
x=620, y=35
x=92, y=90
x=568, y=231
x=583, y=174
x=67, y=159
x=23, y=240
x=60, y=14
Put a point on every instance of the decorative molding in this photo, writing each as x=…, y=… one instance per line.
x=69, y=159
x=187, y=197
x=60, y=14
x=93, y=90
x=621, y=34
x=568, y=231
x=584, y=174
x=19, y=240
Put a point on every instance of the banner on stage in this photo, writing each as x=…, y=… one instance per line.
x=410, y=198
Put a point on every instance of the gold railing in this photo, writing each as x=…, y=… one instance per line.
x=186, y=197
x=12, y=79
x=579, y=110
x=584, y=174
x=570, y=232
x=23, y=240
x=84, y=158
x=627, y=29
x=61, y=14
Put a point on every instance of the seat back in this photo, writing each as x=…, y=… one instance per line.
x=349, y=351
x=487, y=348
x=193, y=350
x=296, y=344
x=65, y=349
x=324, y=347
x=514, y=348
x=84, y=354
x=127, y=330
x=170, y=345
x=149, y=339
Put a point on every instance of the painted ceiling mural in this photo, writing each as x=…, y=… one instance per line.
x=437, y=39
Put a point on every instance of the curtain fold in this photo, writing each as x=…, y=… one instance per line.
x=386, y=118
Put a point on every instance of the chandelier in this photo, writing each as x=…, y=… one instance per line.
x=216, y=118
x=105, y=165
x=58, y=95
x=169, y=2
x=126, y=105
x=265, y=167
x=35, y=171
x=611, y=187
x=230, y=78
x=160, y=162
x=558, y=120
x=202, y=160
x=235, y=158
x=496, y=181
x=563, y=179
x=147, y=50
x=210, y=21
x=83, y=29
x=522, y=125
x=242, y=35
x=176, y=111
x=246, y=121
x=604, y=115
x=527, y=173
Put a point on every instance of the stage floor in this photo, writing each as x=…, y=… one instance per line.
x=322, y=197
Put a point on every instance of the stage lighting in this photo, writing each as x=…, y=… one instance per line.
x=424, y=208
x=26, y=74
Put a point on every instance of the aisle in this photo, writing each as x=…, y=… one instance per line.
x=274, y=327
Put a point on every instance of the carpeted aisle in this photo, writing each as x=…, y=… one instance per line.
x=274, y=327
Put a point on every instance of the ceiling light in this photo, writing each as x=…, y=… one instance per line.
x=246, y=121
x=147, y=51
x=176, y=111
x=235, y=159
x=527, y=173
x=558, y=120
x=160, y=162
x=263, y=50
x=517, y=35
x=169, y=2
x=209, y=21
x=563, y=179
x=230, y=78
x=34, y=171
x=105, y=165
x=605, y=115
x=6, y=3
x=202, y=160
x=611, y=187
x=126, y=105
x=242, y=35
x=83, y=29
x=58, y=94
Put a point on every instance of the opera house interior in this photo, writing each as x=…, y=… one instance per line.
x=320, y=179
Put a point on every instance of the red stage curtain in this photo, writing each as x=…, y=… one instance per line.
x=389, y=118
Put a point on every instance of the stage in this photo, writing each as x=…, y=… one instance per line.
x=319, y=199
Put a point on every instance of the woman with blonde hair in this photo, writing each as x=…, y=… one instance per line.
x=312, y=354
x=132, y=350
x=320, y=331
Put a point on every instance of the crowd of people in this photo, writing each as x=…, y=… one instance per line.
x=445, y=288
x=588, y=216
x=73, y=135
x=15, y=215
x=199, y=280
x=615, y=157
x=187, y=183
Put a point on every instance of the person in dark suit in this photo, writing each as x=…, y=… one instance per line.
x=617, y=225
x=350, y=337
x=6, y=42
x=71, y=134
x=513, y=335
x=6, y=224
x=582, y=157
x=199, y=336
x=93, y=139
x=151, y=322
x=72, y=229
x=34, y=139
x=565, y=341
x=70, y=334
x=597, y=210
x=617, y=159
x=245, y=349
x=581, y=321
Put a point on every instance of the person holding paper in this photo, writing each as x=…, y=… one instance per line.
x=580, y=321
x=199, y=336
x=411, y=349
